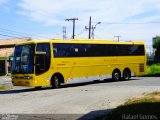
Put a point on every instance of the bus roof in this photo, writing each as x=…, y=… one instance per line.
x=83, y=41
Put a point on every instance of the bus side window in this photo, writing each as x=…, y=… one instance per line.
x=78, y=51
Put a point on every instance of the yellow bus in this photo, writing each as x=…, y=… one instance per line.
x=41, y=63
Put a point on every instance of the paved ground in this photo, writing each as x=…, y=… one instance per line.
x=73, y=101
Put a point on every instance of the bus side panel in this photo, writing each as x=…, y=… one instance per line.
x=133, y=63
x=80, y=69
x=98, y=68
x=63, y=66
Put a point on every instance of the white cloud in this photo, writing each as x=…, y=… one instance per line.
x=54, y=12
x=49, y=11
x=3, y=2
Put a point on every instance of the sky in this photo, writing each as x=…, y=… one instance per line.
x=45, y=19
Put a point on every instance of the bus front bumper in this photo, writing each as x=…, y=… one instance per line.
x=23, y=81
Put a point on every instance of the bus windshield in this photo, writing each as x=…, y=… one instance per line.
x=23, y=62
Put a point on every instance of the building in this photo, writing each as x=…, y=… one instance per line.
x=6, y=50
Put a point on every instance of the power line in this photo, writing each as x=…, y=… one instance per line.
x=6, y=35
x=131, y=22
x=10, y=33
x=15, y=32
x=98, y=36
x=22, y=34
x=81, y=32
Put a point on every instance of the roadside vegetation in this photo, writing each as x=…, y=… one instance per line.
x=156, y=46
x=4, y=87
x=147, y=107
x=153, y=70
x=6, y=76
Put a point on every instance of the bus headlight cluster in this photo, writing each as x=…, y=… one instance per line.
x=28, y=77
x=25, y=77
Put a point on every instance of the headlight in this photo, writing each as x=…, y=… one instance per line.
x=28, y=77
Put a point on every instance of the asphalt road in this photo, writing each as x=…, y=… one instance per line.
x=78, y=101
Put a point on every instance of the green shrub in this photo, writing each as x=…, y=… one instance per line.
x=3, y=87
x=153, y=70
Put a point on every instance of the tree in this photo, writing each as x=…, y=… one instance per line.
x=157, y=50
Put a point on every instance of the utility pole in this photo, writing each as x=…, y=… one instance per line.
x=73, y=19
x=117, y=37
x=90, y=24
x=64, y=33
x=91, y=28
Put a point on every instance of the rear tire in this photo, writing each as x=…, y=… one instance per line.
x=126, y=74
x=116, y=75
x=55, y=82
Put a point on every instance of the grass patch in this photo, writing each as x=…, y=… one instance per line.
x=4, y=87
x=153, y=94
x=153, y=70
x=6, y=76
x=147, y=107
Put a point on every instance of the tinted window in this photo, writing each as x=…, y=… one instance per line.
x=69, y=50
x=93, y=50
x=23, y=60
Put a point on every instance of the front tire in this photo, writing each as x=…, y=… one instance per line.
x=55, y=82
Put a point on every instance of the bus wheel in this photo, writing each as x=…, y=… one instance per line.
x=116, y=75
x=126, y=74
x=55, y=82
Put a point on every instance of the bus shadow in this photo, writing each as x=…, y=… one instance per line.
x=96, y=82
x=23, y=90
